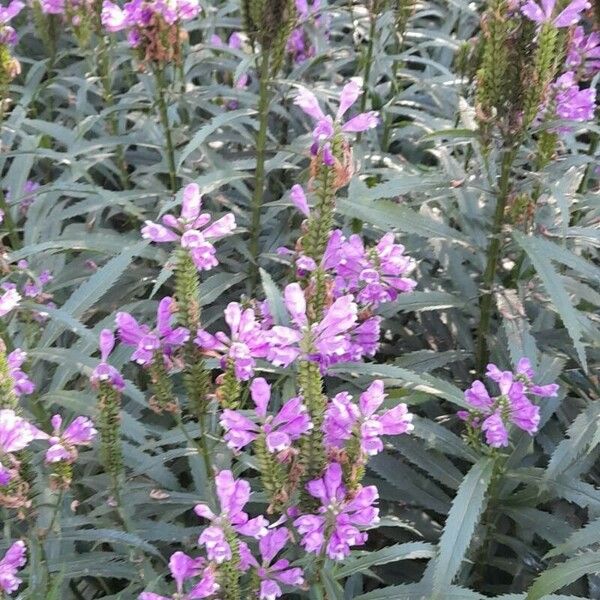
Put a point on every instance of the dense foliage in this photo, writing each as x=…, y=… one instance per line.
x=299, y=299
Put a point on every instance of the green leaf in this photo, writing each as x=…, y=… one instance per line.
x=408, y=551
x=555, y=290
x=460, y=525
x=564, y=574
x=586, y=536
x=275, y=298
x=417, y=591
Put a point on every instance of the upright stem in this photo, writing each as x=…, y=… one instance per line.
x=368, y=63
x=493, y=253
x=11, y=227
x=259, y=175
x=161, y=85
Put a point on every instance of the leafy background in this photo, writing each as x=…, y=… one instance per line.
x=449, y=531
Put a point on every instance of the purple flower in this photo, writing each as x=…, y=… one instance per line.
x=288, y=425
x=298, y=198
x=8, y=35
x=138, y=15
x=21, y=383
x=183, y=568
x=9, y=301
x=335, y=527
x=191, y=229
x=325, y=342
x=147, y=343
x=544, y=12
x=246, y=342
x=13, y=560
x=233, y=496
x=104, y=371
x=584, y=52
x=373, y=275
x=570, y=101
x=493, y=413
x=326, y=127
x=270, y=573
x=343, y=419
x=63, y=445
x=16, y=433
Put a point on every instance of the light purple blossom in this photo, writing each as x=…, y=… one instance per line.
x=14, y=559
x=345, y=419
x=246, y=342
x=571, y=102
x=325, y=342
x=63, y=444
x=544, y=12
x=191, y=230
x=326, y=126
x=16, y=433
x=335, y=527
x=233, y=496
x=184, y=568
x=374, y=275
x=21, y=383
x=9, y=301
x=104, y=371
x=8, y=35
x=289, y=424
x=164, y=339
x=493, y=414
x=299, y=200
x=584, y=52
x=272, y=574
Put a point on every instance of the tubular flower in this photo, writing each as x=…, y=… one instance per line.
x=325, y=342
x=280, y=430
x=233, y=495
x=544, y=12
x=14, y=559
x=191, y=230
x=493, y=414
x=272, y=574
x=344, y=418
x=63, y=445
x=184, y=568
x=336, y=525
x=9, y=301
x=584, y=52
x=148, y=342
x=104, y=371
x=326, y=127
x=246, y=342
x=8, y=36
x=21, y=383
x=571, y=102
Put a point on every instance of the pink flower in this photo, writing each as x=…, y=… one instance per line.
x=13, y=560
x=246, y=342
x=63, y=445
x=104, y=371
x=298, y=198
x=584, y=52
x=336, y=525
x=343, y=419
x=184, y=568
x=147, y=343
x=270, y=573
x=571, y=102
x=9, y=301
x=289, y=424
x=21, y=383
x=326, y=126
x=233, y=496
x=16, y=433
x=544, y=12
x=191, y=229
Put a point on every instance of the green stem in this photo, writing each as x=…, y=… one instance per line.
x=11, y=227
x=493, y=253
x=161, y=85
x=368, y=64
x=259, y=174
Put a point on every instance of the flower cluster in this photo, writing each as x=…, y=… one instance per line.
x=14, y=559
x=299, y=45
x=8, y=36
x=149, y=343
x=191, y=230
x=570, y=101
x=545, y=12
x=21, y=382
x=494, y=414
x=153, y=26
x=584, y=53
x=105, y=372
